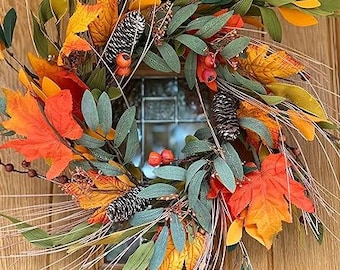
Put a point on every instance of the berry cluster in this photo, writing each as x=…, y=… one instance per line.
x=123, y=62
x=163, y=158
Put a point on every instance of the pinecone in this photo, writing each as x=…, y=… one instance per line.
x=124, y=207
x=224, y=108
x=125, y=36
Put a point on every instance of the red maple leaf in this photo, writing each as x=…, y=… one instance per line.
x=265, y=194
x=44, y=133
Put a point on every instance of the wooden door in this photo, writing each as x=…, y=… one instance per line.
x=291, y=250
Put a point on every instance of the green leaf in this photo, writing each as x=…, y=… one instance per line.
x=170, y=172
x=224, y=72
x=107, y=168
x=203, y=133
x=242, y=7
x=160, y=249
x=203, y=215
x=132, y=144
x=198, y=23
x=272, y=100
x=2, y=36
x=77, y=232
x=90, y=142
x=225, y=174
x=156, y=62
x=279, y=3
x=101, y=155
x=329, y=5
x=214, y=25
x=3, y=105
x=258, y=127
x=124, y=125
x=44, y=12
x=195, y=186
x=198, y=146
x=235, y=47
x=233, y=160
x=177, y=232
x=104, y=113
x=170, y=56
x=96, y=93
x=140, y=259
x=59, y=8
x=194, y=43
x=39, y=39
x=272, y=23
x=251, y=85
x=180, y=17
x=193, y=169
x=36, y=236
x=8, y=26
x=97, y=79
x=190, y=67
x=146, y=216
x=89, y=110
x=114, y=93
x=157, y=190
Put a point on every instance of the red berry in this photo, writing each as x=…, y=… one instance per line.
x=120, y=71
x=9, y=167
x=32, y=173
x=155, y=159
x=210, y=61
x=123, y=60
x=167, y=156
x=25, y=164
x=209, y=75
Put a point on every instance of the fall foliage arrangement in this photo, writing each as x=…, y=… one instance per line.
x=239, y=175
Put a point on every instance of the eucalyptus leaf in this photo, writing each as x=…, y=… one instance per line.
x=156, y=62
x=177, y=232
x=258, y=127
x=198, y=23
x=203, y=133
x=160, y=249
x=195, y=186
x=78, y=232
x=203, y=215
x=225, y=174
x=140, y=259
x=272, y=23
x=132, y=144
x=214, y=25
x=106, y=168
x=8, y=26
x=146, y=216
x=194, y=43
x=198, y=146
x=124, y=125
x=44, y=12
x=89, y=110
x=101, y=155
x=36, y=236
x=39, y=39
x=104, y=113
x=251, y=85
x=170, y=173
x=242, y=7
x=157, y=190
x=90, y=142
x=180, y=17
x=233, y=160
x=235, y=47
x=97, y=79
x=190, y=67
x=170, y=56
x=3, y=105
x=193, y=169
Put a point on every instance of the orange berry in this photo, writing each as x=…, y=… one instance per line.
x=155, y=159
x=210, y=61
x=167, y=156
x=123, y=60
x=209, y=75
x=123, y=71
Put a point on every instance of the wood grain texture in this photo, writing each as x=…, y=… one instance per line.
x=291, y=249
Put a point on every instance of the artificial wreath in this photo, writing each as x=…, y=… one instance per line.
x=238, y=175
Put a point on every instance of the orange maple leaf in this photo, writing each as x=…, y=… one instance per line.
x=265, y=194
x=65, y=79
x=248, y=110
x=266, y=68
x=101, y=28
x=40, y=129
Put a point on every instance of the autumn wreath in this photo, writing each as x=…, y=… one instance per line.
x=238, y=175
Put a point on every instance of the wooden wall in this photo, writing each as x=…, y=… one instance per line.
x=291, y=250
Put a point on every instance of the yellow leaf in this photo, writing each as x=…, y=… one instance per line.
x=301, y=121
x=101, y=28
x=307, y=3
x=234, y=233
x=59, y=8
x=174, y=259
x=253, y=232
x=24, y=79
x=143, y=4
x=194, y=251
x=298, y=18
x=50, y=88
x=82, y=17
x=2, y=48
x=299, y=97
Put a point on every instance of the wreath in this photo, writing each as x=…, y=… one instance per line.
x=238, y=175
